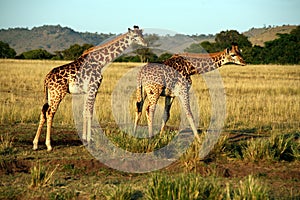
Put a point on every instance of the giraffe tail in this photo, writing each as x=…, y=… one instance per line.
x=46, y=105
x=139, y=93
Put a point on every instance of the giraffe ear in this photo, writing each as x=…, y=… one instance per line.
x=129, y=29
x=227, y=50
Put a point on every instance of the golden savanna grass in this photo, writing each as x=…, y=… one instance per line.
x=261, y=101
x=262, y=97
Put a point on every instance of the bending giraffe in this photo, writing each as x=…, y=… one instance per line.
x=173, y=78
x=82, y=76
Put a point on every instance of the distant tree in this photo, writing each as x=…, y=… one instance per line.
x=285, y=49
x=163, y=57
x=146, y=55
x=223, y=40
x=254, y=55
x=58, y=55
x=36, y=54
x=74, y=51
x=125, y=58
x=6, y=51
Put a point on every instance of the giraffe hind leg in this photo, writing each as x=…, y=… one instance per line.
x=43, y=118
x=153, y=93
x=166, y=116
x=50, y=115
x=140, y=99
x=138, y=114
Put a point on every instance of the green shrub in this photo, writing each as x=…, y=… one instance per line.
x=275, y=148
x=250, y=188
x=185, y=186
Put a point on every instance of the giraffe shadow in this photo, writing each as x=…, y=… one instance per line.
x=70, y=142
x=245, y=134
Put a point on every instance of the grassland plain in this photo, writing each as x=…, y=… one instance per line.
x=257, y=155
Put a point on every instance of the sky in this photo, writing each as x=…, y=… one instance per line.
x=115, y=16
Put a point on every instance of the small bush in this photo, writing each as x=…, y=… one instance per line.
x=275, y=148
x=41, y=176
x=6, y=144
x=249, y=188
x=120, y=193
x=185, y=186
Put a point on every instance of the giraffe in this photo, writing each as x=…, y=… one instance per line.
x=173, y=78
x=82, y=76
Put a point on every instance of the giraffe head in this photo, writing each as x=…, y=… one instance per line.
x=136, y=36
x=233, y=55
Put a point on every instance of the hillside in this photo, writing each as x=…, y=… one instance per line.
x=50, y=38
x=56, y=38
x=258, y=36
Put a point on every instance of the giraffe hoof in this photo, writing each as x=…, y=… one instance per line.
x=35, y=147
x=49, y=149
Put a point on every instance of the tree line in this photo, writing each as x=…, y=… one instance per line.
x=283, y=50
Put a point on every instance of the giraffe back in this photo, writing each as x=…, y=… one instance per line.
x=181, y=64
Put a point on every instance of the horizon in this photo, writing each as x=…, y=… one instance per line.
x=163, y=31
x=183, y=17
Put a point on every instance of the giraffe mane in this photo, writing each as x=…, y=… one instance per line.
x=201, y=55
x=95, y=48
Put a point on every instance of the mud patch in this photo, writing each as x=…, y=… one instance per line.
x=12, y=166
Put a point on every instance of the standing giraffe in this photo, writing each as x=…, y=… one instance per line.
x=82, y=76
x=173, y=78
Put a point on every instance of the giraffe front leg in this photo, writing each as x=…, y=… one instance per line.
x=89, y=129
x=48, y=135
x=86, y=129
x=84, y=126
x=186, y=106
x=88, y=114
x=50, y=115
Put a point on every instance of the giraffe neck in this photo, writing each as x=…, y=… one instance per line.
x=107, y=52
x=203, y=63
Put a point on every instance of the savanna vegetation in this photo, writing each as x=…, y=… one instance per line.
x=256, y=156
x=282, y=50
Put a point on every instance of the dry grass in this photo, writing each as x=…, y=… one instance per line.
x=262, y=100
x=258, y=98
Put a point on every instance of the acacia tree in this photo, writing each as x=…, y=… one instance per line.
x=74, y=51
x=36, y=54
x=223, y=40
x=285, y=49
x=6, y=51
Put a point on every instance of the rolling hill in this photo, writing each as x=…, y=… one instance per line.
x=258, y=36
x=48, y=37
x=56, y=38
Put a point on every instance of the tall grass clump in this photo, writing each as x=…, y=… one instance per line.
x=184, y=186
x=193, y=186
x=41, y=176
x=275, y=148
x=120, y=193
x=249, y=188
x=6, y=144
